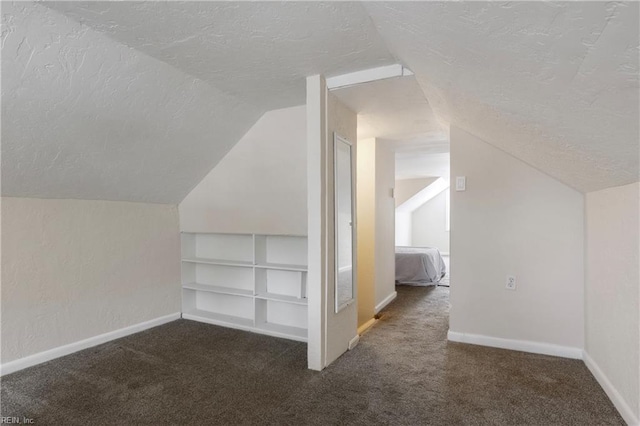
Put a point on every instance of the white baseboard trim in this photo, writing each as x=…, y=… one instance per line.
x=48, y=355
x=354, y=342
x=380, y=306
x=613, y=394
x=516, y=345
x=366, y=326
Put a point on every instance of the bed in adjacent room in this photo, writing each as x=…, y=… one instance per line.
x=419, y=266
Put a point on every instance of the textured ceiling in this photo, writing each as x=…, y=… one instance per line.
x=85, y=117
x=137, y=101
x=142, y=100
x=396, y=111
x=554, y=84
x=394, y=108
x=259, y=51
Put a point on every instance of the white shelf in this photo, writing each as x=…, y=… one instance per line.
x=278, y=330
x=218, y=289
x=218, y=319
x=240, y=270
x=281, y=298
x=220, y=262
x=283, y=267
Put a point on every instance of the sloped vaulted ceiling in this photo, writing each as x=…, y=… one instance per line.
x=554, y=84
x=137, y=101
x=259, y=51
x=85, y=117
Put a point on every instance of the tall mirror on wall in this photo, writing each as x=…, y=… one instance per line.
x=345, y=271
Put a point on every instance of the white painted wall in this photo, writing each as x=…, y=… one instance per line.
x=407, y=188
x=514, y=220
x=612, y=294
x=366, y=235
x=428, y=224
x=376, y=230
x=260, y=186
x=73, y=269
x=414, y=194
x=403, y=229
x=385, y=230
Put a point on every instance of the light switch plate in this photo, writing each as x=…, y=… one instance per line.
x=461, y=183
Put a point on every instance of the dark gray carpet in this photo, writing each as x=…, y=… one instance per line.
x=403, y=372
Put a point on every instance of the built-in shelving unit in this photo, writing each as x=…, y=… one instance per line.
x=251, y=282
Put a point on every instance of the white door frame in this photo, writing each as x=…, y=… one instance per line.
x=329, y=333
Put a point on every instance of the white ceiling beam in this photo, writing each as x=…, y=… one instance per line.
x=366, y=76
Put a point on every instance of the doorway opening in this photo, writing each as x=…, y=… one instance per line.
x=402, y=192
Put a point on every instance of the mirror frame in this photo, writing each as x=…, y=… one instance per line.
x=337, y=139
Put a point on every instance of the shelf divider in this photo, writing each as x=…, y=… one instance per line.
x=218, y=289
x=221, y=262
x=219, y=319
x=281, y=298
x=282, y=267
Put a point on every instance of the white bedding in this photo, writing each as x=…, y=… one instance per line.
x=419, y=265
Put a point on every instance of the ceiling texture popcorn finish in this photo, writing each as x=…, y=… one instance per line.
x=397, y=113
x=261, y=52
x=137, y=101
x=84, y=117
x=553, y=84
x=393, y=108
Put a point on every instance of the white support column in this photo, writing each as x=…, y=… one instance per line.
x=316, y=204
